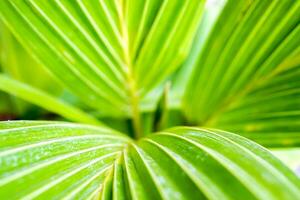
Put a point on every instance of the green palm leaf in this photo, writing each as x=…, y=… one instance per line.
x=155, y=64
x=251, y=63
x=61, y=160
x=106, y=47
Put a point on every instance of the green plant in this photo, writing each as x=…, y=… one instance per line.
x=140, y=67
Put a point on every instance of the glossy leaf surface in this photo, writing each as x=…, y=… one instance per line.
x=70, y=161
x=127, y=60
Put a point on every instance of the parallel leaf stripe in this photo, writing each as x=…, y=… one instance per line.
x=152, y=175
x=6, y=125
x=176, y=58
x=117, y=189
x=141, y=29
x=165, y=45
x=112, y=22
x=47, y=142
x=46, y=163
x=95, y=194
x=106, y=185
x=115, y=177
x=107, y=132
x=76, y=72
x=285, y=25
x=274, y=57
x=256, y=150
x=211, y=191
x=259, y=160
x=248, y=43
x=114, y=68
x=90, y=63
x=119, y=75
x=132, y=170
x=67, y=175
x=228, y=48
x=133, y=194
x=215, y=44
x=135, y=188
x=245, y=178
x=76, y=190
x=279, y=94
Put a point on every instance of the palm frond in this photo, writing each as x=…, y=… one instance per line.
x=246, y=74
x=108, y=48
x=63, y=160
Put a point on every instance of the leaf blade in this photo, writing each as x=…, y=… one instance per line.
x=86, y=161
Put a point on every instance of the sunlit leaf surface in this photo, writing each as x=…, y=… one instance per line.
x=140, y=67
x=116, y=52
x=62, y=160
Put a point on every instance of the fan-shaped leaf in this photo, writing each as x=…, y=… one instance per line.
x=108, y=48
x=62, y=160
x=247, y=73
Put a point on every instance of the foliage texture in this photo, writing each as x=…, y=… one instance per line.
x=72, y=161
x=136, y=68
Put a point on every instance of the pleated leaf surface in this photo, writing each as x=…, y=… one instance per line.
x=55, y=160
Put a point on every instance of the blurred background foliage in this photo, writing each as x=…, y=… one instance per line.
x=20, y=65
